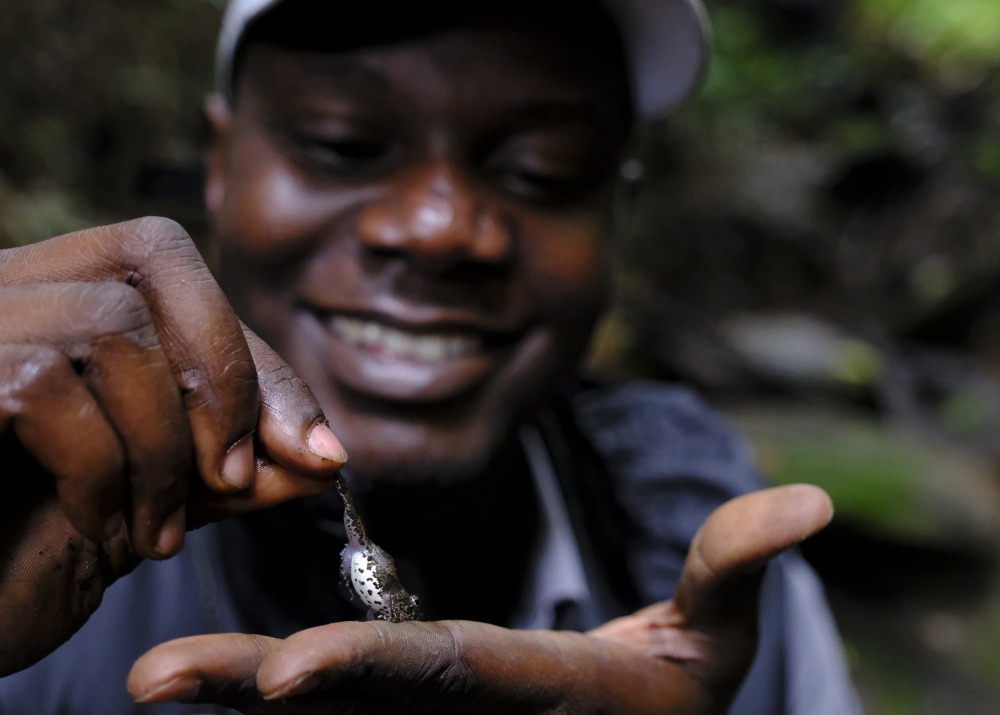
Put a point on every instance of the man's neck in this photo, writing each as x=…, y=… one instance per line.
x=462, y=548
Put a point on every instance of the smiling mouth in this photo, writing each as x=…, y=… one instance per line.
x=387, y=341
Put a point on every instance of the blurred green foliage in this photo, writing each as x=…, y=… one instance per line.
x=959, y=36
x=884, y=477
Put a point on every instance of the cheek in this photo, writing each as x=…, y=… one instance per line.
x=270, y=225
x=253, y=228
x=263, y=230
x=270, y=213
x=570, y=270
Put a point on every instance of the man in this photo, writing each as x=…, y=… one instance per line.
x=413, y=207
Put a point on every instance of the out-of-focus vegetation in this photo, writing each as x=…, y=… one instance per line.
x=814, y=243
x=99, y=110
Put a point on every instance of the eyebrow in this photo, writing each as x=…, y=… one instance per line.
x=359, y=75
x=558, y=111
x=324, y=69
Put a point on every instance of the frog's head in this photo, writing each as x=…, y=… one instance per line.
x=409, y=609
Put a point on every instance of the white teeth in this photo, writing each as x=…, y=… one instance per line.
x=422, y=348
x=371, y=332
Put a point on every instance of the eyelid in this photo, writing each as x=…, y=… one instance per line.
x=348, y=156
x=544, y=188
x=335, y=129
x=550, y=156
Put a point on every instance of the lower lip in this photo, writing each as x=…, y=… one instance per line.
x=383, y=375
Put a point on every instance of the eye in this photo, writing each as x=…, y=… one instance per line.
x=548, y=168
x=335, y=146
x=347, y=156
x=542, y=184
x=532, y=181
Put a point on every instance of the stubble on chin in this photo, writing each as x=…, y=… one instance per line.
x=421, y=469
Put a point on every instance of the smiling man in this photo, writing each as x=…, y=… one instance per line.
x=413, y=206
x=424, y=231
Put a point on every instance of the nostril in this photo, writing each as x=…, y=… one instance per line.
x=383, y=252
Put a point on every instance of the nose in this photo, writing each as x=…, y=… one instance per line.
x=436, y=216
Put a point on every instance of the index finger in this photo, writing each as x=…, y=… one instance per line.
x=198, y=330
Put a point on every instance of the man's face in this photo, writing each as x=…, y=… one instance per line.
x=421, y=229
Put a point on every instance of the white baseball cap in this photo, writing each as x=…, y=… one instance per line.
x=667, y=43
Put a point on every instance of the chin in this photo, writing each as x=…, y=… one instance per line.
x=400, y=453
x=382, y=467
x=430, y=473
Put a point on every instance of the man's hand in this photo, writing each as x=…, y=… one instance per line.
x=687, y=655
x=133, y=406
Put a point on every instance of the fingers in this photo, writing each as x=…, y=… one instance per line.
x=385, y=668
x=395, y=659
x=107, y=346
x=683, y=656
x=710, y=625
x=215, y=668
x=463, y=666
x=254, y=452
x=197, y=329
x=272, y=485
x=356, y=664
x=292, y=426
x=360, y=662
x=298, y=454
x=69, y=437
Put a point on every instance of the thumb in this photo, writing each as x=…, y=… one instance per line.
x=727, y=556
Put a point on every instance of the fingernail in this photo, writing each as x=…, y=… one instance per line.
x=300, y=686
x=182, y=689
x=171, y=537
x=237, y=466
x=324, y=444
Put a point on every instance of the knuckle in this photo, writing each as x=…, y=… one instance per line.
x=281, y=373
x=143, y=239
x=230, y=376
x=451, y=670
x=25, y=371
x=278, y=385
x=164, y=234
x=112, y=308
x=155, y=231
x=101, y=314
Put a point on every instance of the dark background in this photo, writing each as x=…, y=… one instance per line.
x=814, y=243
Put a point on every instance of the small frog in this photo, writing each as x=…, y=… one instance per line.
x=370, y=571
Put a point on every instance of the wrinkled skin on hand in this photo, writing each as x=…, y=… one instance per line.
x=133, y=407
x=687, y=655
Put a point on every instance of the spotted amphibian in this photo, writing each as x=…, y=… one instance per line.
x=370, y=571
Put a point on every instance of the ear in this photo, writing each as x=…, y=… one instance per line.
x=219, y=116
x=630, y=178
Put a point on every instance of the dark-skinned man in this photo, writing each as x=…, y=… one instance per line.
x=413, y=206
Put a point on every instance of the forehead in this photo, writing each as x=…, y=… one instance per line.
x=466, y=69
x=478, y=48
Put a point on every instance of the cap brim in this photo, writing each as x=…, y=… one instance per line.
x=239, y=14
x=667, y=42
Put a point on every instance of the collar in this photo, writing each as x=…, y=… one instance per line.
x=557, y=583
